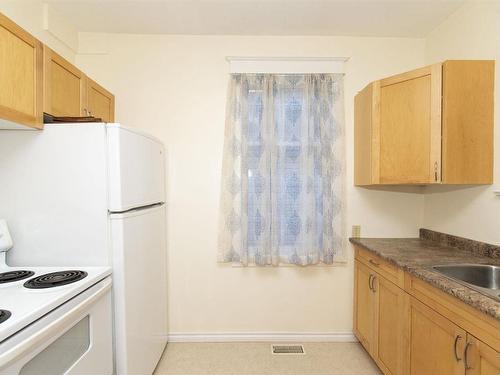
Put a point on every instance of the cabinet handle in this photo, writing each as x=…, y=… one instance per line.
x=85, y=112
x=466, y=360
x=370, y=282
x=374, y=263
x=458, y=337
x=435, y=171
x=373, y=284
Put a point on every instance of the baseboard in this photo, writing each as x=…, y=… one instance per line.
x=341, y=336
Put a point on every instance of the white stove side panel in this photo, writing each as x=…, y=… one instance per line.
x=53, y=194
x=136, y=169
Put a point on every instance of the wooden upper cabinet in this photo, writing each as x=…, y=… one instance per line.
x=34, y=79
x=69, y=92
x=410, y=130
x=21, y=75
x=100, y=102
x=468, y=122
x=430, y=125
x=64, y=86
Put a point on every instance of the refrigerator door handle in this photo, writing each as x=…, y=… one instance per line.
x=140, y=208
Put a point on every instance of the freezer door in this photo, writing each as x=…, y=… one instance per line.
x=140, y=289
x=136, y=169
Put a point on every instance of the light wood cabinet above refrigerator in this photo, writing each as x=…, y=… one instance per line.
x=69, y=92
x=64, y=86
x=21, y=76
x=35, y=80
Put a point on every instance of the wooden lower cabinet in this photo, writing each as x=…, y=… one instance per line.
x=390, y=313
x=379, y=318
x=364, y=306
x=404, y=325
x=435, y=343
x=480, y=359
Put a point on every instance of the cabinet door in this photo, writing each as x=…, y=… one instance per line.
x=100, y=102
x=481, y=359
x=435, y=343
x=468, y=121
x=21, y=72
x=366, y=133
x=410, y=127
x=64, y=90
x=364, y=305
x=390, y=327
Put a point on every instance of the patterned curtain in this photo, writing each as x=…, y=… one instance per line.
x=283, y=170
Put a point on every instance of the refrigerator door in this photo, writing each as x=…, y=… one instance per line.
x=140, y=288
x=136, y=169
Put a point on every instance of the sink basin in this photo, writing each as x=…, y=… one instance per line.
x=484, y=278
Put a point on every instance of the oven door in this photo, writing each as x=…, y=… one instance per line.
x=74, y=339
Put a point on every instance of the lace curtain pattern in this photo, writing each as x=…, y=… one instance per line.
x=283, y=170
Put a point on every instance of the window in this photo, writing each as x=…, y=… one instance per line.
x=282, y=171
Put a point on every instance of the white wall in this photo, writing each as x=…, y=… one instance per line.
x=29, y=14
x=473, y=32
x=175, y=88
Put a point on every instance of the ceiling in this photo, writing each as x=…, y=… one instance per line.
x=398, y=18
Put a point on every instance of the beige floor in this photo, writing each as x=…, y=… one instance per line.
x=256, y=359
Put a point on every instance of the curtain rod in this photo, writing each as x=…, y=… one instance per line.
x=254, y=58
x=288, y=65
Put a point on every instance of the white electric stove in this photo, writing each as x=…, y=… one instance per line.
x=27, y=305
x=54, y=320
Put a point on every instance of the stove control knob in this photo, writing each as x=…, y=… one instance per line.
x=5, y=238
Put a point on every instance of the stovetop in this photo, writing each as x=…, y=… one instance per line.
x=28, y=293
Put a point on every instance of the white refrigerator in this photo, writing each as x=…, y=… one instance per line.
x=89, y=195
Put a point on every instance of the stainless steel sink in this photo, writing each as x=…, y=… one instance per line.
x=484, y=278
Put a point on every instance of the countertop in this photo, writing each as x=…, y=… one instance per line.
x=415, y=255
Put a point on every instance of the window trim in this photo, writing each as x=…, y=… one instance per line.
x=287, y=65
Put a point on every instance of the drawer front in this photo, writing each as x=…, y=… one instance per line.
x=384, y=268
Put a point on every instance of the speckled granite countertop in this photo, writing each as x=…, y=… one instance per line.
x=416, y=255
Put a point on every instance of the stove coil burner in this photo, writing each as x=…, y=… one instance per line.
x=11, y=276
x=4, y=315
x=50, y=280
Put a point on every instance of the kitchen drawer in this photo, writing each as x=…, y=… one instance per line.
x=381, y=266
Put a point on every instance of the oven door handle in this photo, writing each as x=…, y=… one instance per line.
x=49, y=330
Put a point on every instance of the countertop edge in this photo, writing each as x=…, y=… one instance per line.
x=457, y=290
